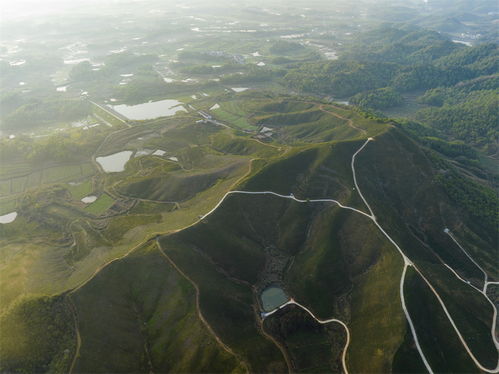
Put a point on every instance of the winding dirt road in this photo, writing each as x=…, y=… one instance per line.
x=349, y=121
x=407, y=263
x=322, y=322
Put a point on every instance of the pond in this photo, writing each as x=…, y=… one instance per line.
x=150, y=110
x=273, y=297
x=114, y=163
x=239, y=89
x=89, y=199
x=8, y=218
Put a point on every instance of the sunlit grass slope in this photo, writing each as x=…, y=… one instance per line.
x=145, y=322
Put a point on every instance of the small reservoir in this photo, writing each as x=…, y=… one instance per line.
x=273, y=297
x=114, y=163
x=8, y=218
x=239, y=89
x=89, y=199
x=150, y=110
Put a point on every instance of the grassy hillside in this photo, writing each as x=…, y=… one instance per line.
x=323, y=272
x=177, y=187
x=416, y=209
x=37, y=335
x=146, y=323
x=165, y=292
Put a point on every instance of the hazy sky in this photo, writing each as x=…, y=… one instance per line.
x=10, y=8
x=26, y=8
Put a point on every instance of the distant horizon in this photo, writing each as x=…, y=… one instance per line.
x=27, y=8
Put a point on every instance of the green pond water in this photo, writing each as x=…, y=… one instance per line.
x=272, y=298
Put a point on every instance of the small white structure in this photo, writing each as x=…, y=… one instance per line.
x=159, y=152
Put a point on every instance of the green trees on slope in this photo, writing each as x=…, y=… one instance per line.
x=378, y=99
x=37, y=336
x=481, y=202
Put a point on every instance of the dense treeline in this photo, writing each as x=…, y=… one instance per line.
x=432, y=138
x=450, y=149
x=473, y=120
x=379, y=99
x=340, y=78
x=481, y=202
x=459, y=83
x=461, y=92
x=403, y=59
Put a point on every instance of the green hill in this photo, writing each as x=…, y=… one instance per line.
x=149, y=286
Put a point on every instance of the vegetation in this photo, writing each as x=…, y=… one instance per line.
x=164, y=272
x=388, y=61
x=37, y=335
x=174, y=187
x=481, y=202
x=253, y=75
x=446, y=351
x=341, y=78
x=80, y=190
x=101, y=205
x=41, y=113
x=163, y=331
x=472, y=119
x=334, y=261
x=381, y=98
x=313, y=348
x=283, y=47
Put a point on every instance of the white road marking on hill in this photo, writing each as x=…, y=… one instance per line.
x=407, y=263
x=485, y=281
x=482, y=291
